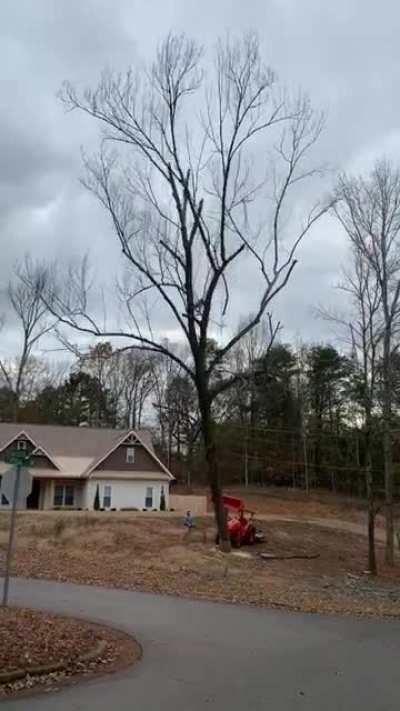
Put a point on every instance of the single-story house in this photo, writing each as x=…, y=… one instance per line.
x=69, y=465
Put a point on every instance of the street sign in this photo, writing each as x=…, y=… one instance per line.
x=21, y=462
x=24, y=487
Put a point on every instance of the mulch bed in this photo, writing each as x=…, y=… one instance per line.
x=42, y=650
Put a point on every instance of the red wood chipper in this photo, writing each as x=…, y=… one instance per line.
x=240, y=521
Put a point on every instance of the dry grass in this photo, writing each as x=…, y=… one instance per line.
x=154, y=552
x=296, y=503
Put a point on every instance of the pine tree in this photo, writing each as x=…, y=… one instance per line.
x=162, y=500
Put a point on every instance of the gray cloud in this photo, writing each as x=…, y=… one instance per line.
x=345, y=54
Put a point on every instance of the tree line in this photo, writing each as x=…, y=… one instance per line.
x=294, y=417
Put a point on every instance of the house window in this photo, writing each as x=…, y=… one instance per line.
x=58, y=495
x=107, y=497
x=130, y=455
x=21, y=444
x=149, y=498
x=63, y=495
x=68, y=495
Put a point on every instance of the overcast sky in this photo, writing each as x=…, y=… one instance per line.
x=345, y=54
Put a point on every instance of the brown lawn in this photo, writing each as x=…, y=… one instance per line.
x=280, y=501
x=152, y=552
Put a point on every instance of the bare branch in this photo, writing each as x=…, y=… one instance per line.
x=184, y=198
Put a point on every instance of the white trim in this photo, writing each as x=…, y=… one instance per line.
x=131, y=440
x=40, y=451
x=130, y=454
x=156, y=459
x=96, y=463
x=125, y=436
x=33, y=443
x=64, y=485
x=17, y=436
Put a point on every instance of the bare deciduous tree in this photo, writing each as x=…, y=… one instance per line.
x=369, y=210
x=138, y=384
x=363, y=331
x=25, y=295
x=190, y=203
x=126, y=376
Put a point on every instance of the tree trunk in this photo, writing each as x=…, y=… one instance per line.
x=293, y=463
x=213, y=475
x=305, y=456
x=333, y=482
x=15, y=407
x=246, y=463
x=169, y=438
x=371, y=506
x=387, y=456
x=371, y=537
x=189, y=464
x=387, y=450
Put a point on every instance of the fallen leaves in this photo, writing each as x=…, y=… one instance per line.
x=45, y=650
x=135, y=552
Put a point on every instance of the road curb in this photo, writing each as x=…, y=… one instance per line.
x=15, y=675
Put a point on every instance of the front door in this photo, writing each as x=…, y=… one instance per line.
x=32, y=501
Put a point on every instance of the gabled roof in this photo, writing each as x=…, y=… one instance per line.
x=22, y=434
x=76, y=451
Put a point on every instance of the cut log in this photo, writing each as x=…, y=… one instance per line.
x=289, y=556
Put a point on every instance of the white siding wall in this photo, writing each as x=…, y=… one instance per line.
x=125, y=494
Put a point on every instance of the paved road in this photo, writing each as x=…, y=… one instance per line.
x=200, y=655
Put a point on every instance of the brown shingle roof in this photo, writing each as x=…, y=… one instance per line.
x=69, y=446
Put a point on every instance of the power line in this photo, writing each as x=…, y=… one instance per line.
x=298, y=431
x=332, y=467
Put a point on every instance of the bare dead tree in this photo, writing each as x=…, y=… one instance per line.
x=369, y=211
x=366, y=334
x=363, y=331
x=164, y=371
x=138, y=375
x=190, y=203
x=25, y=295
x=126, y=375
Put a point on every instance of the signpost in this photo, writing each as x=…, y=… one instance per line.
x=24, y=487
x=14, y=478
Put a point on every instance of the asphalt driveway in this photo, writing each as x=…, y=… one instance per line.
x=201, y=655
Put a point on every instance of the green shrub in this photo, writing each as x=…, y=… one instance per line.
x=96, y=504
x=162, y=500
